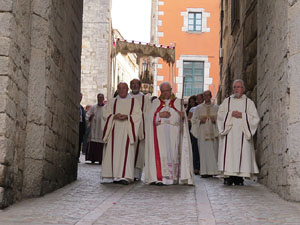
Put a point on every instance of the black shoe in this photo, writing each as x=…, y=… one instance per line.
x=228, y=181
x=124, y=182
x=239, y=181
x=159, y=184
x=206, y=176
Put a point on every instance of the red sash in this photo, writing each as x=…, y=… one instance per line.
x=156, y=145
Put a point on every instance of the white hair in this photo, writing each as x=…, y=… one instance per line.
x=165, y=83
x=239, y=80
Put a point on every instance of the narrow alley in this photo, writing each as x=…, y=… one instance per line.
x=86, y=202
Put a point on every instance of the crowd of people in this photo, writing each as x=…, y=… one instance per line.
x=162, y=141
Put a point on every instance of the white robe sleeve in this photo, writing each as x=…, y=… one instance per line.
x=108, y=120
x=134, y=121
x=224, y=118
x=195, y=130
x=250, y=120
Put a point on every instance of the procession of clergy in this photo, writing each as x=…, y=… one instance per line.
x=153, y=139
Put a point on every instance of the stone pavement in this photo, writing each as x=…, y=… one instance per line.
x=87, y=202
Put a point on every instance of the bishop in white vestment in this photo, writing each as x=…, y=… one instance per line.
x=168, y=155
x=237, y=122
x=122, y=117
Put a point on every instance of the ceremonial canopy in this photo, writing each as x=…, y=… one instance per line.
x=167, y=53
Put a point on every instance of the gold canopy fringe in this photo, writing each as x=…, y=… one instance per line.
x=167, y=53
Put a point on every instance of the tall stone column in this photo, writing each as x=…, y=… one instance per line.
x=96, y=46
x=15, y=19
x=40, y=50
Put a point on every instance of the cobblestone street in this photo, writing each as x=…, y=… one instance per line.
x=86, y=201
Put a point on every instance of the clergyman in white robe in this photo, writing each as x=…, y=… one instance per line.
x=139, y=162
x=165, y=162
x=207, y=136
x=120, y=137
x=236, y=149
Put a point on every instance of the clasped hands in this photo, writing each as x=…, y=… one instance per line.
x=120, y=116
x=236, y=114
x=166, y=114
x=203, y=119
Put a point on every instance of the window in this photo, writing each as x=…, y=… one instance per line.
x=195, y=21
x=193, y=73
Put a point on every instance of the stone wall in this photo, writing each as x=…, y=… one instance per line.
x=238, y=46
x=15, y=19
x=40, y=44
x=279, y=97
x=96, y=44
x=263, y=49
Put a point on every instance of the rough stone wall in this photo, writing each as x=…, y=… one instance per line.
x=96, y=45
x=239, y=49
x=40, y=49
x=294, y=101
x=14, y=74
x=279, y=97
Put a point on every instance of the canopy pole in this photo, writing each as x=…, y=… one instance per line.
x=169, y=73
x=175, y=69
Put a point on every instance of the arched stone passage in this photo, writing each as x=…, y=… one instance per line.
x=40, y=50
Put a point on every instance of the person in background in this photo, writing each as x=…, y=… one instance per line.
x=82, y=127
x=87, y=132
x=192, y=104
x=94, y=119
x=204, y=128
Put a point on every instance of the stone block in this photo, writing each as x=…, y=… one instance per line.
x=39, y=33
x=294, y=68
x=2, y=174
x=35, y=141
x=33, y=176
x=10, y=129
x=6, y=5
x=4, y=65
x=37, y=87
x=41, y=8
x=6, y=22
x=4, y=46
x=11, y=108
x=1, y=196
x=3, y=124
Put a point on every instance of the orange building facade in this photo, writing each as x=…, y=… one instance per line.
x=192, y=26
